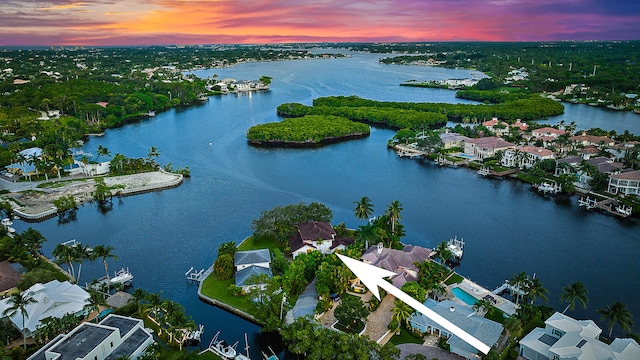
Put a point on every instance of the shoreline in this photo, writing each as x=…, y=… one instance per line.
x=36, y=204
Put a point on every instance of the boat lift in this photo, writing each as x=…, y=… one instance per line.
x=194, y=275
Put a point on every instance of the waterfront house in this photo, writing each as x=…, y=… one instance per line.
x=547, y=132
x=525, y=156
x=249, y=264
x=53, y=299
x=625, y=183
x=316, y=235
x=450, y=140
x=465, y=317
x=245, y=259
x=564, y=338
x=402, y=262
x=486, y=147
x=115, y=337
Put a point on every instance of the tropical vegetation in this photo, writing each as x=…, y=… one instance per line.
x=307, y=130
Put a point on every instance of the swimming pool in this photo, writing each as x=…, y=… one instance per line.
x=464, y=296
x=464, y=156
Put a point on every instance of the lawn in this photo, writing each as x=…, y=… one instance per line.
x=209, y=356
x=219, y=290
x=496, y=315
x=405, y=337
x=263, y=242
x=454, y=279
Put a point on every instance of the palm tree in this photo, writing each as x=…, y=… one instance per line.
x=393, y=211
x=535, y=289
x=617, y=313
x=104, y=253
x=401, y=313
x=443, y=252
x=65, y=254
x=82, y=253
x=518, y=283
x=19, y=302
x=179, y=322
x=102, y=151
x=572, y=293
x=153, y=153
x=363, y=209
x=482, y=305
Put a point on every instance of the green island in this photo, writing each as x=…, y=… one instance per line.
x=309, y=130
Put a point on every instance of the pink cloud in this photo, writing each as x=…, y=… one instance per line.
x=120, y=22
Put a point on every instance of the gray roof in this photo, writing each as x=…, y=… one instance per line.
x=243, y=275
x=82, y=341
x=485, y=330
x=87, y=336
x=252, y=257
x=397, y=260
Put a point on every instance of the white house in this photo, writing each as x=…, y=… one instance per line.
x=525, y=156
x=625, y=183
x=485, y=330
x=115, y=337
x=53, y=299
x=565, y=338
x=249, y=264
x=486, y=147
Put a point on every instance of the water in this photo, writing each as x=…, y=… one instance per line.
x=464, y=296
x=507, y=228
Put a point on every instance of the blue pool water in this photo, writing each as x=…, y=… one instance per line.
x=464, y=296
x=466, y=156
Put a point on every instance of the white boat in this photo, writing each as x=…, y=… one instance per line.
x=221, y=348
x=456, y=247
x=122, y=277
x=6, y=222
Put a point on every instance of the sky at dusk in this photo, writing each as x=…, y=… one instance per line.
x=158, y=22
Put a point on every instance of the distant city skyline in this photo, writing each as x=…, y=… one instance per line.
x=163, y=22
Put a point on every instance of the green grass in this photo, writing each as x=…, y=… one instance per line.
x=263, y=242
x=219, y=290
x=405, y=337
x=454, y=279
x=495, y=314
x=209, y=356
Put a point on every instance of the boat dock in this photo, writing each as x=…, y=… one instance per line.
x=195, y=276
x=548, y=188
x=608, y=206
x=123, y=276
x=408, y=151
x=456, y=247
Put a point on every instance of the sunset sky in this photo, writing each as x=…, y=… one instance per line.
x=151, y=22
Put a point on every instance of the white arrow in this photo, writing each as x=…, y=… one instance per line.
x=372, y=277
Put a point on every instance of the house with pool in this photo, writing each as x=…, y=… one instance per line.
x=463, y=316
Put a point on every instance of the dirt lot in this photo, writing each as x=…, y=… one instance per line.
x=41, y=198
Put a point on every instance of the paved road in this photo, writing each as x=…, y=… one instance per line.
x=430, y=352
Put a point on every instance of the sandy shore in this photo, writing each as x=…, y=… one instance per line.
x=40, y=199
